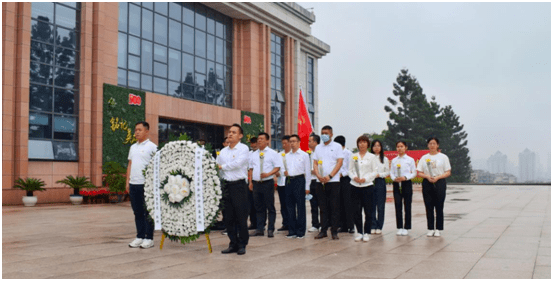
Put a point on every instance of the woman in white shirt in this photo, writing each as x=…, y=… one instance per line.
x=379, y=193
x=362, y=171
x=434, y=168
x=402, y=171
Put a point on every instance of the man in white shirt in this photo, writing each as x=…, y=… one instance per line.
x=328, y=188
x=298, y=175
x=281, y=185
x=314, y=140
x=253, y=213
x=233, y=164
x=139, y=156
x=262, y=184
x=346, y=203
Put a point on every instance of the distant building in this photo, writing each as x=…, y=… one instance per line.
x=504, y=178
x=527, y=166
x=497, y=163
x=481, y=176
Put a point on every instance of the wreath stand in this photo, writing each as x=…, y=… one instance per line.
x=206, y=237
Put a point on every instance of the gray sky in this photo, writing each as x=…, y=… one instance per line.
x=490, y=61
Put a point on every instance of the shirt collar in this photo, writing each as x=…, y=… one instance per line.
x=144, y=142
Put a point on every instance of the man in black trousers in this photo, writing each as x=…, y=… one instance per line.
x=233, y=163
x=253, y=214
x=281, y=186
x=263, y=165
x=346, y=203
x=314, y=140
x=330, y=156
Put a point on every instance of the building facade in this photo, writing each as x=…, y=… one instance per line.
x=200, y=65
x=527, y=166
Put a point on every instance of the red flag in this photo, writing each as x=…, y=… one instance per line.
x=304, y=125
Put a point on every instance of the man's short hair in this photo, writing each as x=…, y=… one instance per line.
x=286, y=137
x=253, y=140
x=326, y=127
x=239, y=127
x=316, y=138
x=341, y=140
x=264, y=134
x=295, y=136
x=143, y=123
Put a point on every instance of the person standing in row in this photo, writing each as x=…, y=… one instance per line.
x=346, y=206
x=331, y=157
x=434, y=168
x=140, y=155
x=299, y=176
x=362, y=167
x=253, y=213
x=314, y=140
x=263, y=166
x=402, y=171
x=281, y=185
x=233, y=164
x=379, y=193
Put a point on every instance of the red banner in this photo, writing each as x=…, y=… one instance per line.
x=415, y=154
x=304, y=125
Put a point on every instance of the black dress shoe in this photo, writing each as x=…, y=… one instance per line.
x=241, y=251
x=271, y=233
x=257, y=233
x=321, y=235
x=283, y=228
x=335, y=236
x=229, y=250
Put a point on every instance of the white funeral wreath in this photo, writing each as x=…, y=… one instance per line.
x=176, y=177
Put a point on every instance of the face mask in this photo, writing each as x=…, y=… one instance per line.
x=325, y=138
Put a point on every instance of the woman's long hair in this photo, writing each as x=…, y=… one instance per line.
x=381, y=155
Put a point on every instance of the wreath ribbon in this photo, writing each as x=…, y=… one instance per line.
x=199, y=194
x=157, y=195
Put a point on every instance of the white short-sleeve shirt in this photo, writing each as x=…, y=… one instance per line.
x=140, y=155
x=439, y=164
x=329, y=154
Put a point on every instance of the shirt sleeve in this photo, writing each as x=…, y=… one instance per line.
x=393, y=172
x=386, y=167
x=420, y=168
x=240, y=161
x=351, y=169
x=278, y=162
x=447, y=165
x=412, y=170
x=130, y=153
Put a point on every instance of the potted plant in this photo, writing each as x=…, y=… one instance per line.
x=76, y=183
x=29, y=185
x=115, y=180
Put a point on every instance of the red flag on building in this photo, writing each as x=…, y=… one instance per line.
x=304, y=124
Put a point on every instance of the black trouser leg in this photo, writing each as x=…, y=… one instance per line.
x=379, y=201
x=357, y=206
x=367, y=206
x=324, y=206
x=314, y=202
x=441, y=188
x=260, y=208
x=429, y=197
x=144, y=226
x=283, y=209
x=235, y=201
x=346, y=205
x=407, y=189
x=295, y=196
x=398, y=205
x=253, y=213
x=333, y=199
x=264, y=198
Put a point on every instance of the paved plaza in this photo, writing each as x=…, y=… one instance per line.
x=490, y=232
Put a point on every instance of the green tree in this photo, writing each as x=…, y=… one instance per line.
x=412, y=118
x=453, y=143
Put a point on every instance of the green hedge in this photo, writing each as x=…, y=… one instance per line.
x=118, y=122
x=256, y=126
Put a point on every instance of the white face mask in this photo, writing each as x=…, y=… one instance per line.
x=325, y=138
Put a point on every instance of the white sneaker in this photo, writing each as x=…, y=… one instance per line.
x=148, y=243
x=437, y=233
x=379, y=231
x=430, y=233
x=366, y=237
x=373, y=231
x=136, y=243
x=405, y=232
x=358, y=237
x=313, y=229
x=399, y=232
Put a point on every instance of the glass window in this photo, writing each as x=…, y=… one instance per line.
x=277, y=92
x=43, y=11
x=173, y=49
x=311, y=89
x=42, y=52
x=147, y=24
x=65, y=101
x=40, y=98
x=66, y=16
x=41, y=31
x=160, y=29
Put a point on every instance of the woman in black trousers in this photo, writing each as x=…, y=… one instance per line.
x=379, y=194
x=434, y=168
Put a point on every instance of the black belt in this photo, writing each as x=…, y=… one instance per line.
x=293, y=177
x=260, y=182
x=235, y=182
